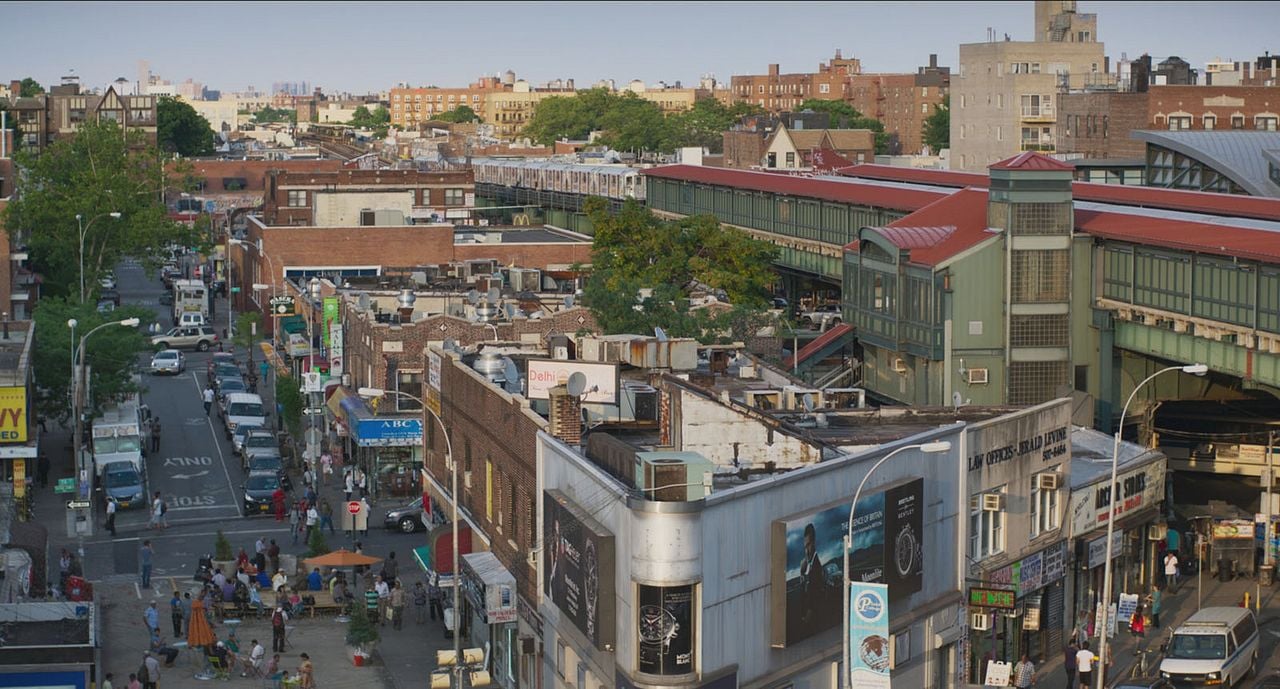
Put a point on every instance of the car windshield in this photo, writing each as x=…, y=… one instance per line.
x=262, y=482
x=112, y=445
x=226, y=370
x=1198, y=646
x=242, y=431
x=265, y=463
x=121, y=478
x=167, y=355
x=260, y=440
x=231, y=385
x=245, y=409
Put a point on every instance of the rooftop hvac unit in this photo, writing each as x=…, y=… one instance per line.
x=844, y=398
x=526, y=279
x=992, y=502
x=672, y=476
x=1047, y=481
x=640, y=402
x=457, y=270
x=801, y=399
x=482, y=266
x=764, y=400
x=977, y=376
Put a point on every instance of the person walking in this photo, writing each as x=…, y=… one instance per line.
x=208, y=399
x=326, y=466
x=420, y=603
x=1154, y=599
x=1024, y=673
x=158, y=511
x=313, y=519
x=295, y=521
x=278, y=620
x=326, y=515
x=42, y=469
x=1171, y=571
x=1084, y=665
x=397, y=605
x=175, y=614
x=151, y=616
x=144, y=562
x=273, y=555
x=435, y=599
x=278, y=505
x=111, y=515
x=391, y=567
x=1138, y=622
x=186, y=614
x=364, y=507
x=348, y=485
x=362, y=483
x=383, y=590
x=155, y=433
x=1069, y=662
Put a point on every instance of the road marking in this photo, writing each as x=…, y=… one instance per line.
x=137, y=591
x=218, y=446
x=164, y=536
x=189, y=476
x=197, y=507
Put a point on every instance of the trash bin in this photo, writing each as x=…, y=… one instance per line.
x=1266, y=575
x=1226, y=569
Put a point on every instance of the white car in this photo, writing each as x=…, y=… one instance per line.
x=168, y=361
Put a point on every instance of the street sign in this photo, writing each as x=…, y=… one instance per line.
x=353, y=507
x=282, y=306
x=235, y=290
x=78, y=504
x=65, y=485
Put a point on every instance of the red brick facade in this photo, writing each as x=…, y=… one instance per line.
x=429, y=189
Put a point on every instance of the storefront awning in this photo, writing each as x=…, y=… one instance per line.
x=293, y=324
x=371, y=430
x=436, y=557
x=335, y=401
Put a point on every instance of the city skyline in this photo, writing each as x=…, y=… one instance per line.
x=101, y=42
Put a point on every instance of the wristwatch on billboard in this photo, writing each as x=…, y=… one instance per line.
x=591, y=585
x=905, y=551
x=657, y=626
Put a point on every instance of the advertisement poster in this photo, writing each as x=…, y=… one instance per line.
x=665, y=621
x=578, y=574
x=868, y=636
x=330, y=305
x=13, y=415
x=887, y=548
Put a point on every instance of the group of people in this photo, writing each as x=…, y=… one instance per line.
x=306, y=515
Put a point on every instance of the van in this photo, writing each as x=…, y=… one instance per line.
x=242, y=408
x=1215, y=646
x=298, y=346
x=191, y=318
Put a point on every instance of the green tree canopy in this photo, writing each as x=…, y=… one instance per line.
x=111, y=354
x=845, y=116
x=182, y=130
x=269, y=114
x=460, y=114
x=378, y=120
x=937, y=127
x=636, y=250
x=94, y=173
x=705, y=124
x=29, y=88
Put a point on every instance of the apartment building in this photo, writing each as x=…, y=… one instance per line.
x=411, y=106
x=510, y=111
x=777, y=92
x=1263, y=71
x=1003, y=101
x=45, y=118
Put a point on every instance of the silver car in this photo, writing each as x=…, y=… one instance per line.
x=168, y=361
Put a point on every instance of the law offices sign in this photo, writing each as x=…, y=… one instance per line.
x=1136, y=488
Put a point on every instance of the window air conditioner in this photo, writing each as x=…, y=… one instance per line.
x=1047, y=481
x=980, y=622
x=992, y=502
x=977, y=376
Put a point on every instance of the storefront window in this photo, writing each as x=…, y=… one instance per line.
x=398, y=471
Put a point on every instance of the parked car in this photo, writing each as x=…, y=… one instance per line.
x=168, y=361
x=224, y=369
x=199, y=338
x=219, y=358
x=238, y=435
x=270, y=463
x=227, y=386
x=824, y=313
x=406, y=518
x=258, y=488
x=244, y=408
x=122, y=482
x=258, y=440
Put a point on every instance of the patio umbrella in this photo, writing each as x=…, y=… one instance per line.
x=341, y=558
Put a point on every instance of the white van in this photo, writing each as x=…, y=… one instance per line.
x=1214, y=646
x=241, y=408
x=189, y=318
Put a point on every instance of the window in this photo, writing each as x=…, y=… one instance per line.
x=1179, y=122
x=297, y=199
x=1265, y=123
x=986, y=526
x=791, y=158
x=824, y=88
x=1044, y=505
x=924, y=108
x=454, y=197
x=1237, y=121
x=1210, y=121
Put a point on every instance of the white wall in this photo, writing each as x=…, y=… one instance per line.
x=343, y=209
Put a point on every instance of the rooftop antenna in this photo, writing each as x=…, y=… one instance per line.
x=957, y=401
x=659, y=333
x=473, y=297
x=513, y=383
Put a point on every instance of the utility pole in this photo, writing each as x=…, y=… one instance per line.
x=1268, y=554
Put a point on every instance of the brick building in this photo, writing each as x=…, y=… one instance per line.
x=411, y=106
x=242, y=183
x=777, y=92
x=45, y=118
x=339, y=197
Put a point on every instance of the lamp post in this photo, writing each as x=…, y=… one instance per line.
x=77, y=402
x=453, y=496
x=313, y=290
x=934, y=447
x=271, y=265
x=1194, y=369
x=84, y=229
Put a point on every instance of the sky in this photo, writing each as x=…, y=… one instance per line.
x=371, y=46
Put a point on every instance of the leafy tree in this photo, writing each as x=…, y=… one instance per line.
x=182, y=130
x=635, y=250
x=269, y=114
x=317, y=545
x=631, y=123
x=378, y=120
x=704, y=125
x=361, y=631
x=460, y=114
x=289, y=395
x=98, y=171
x=29, y=88
x=110, y=356
x=222, y=547
x=937, y=127
x=845, y=116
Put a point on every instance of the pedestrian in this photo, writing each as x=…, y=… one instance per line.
x=277, y=503
x=364, y=507
x=155, y=433
x=107, y=683
x=1024, y=673
x=158, y=511
x=208, y=398
x=149, y=672
x=370, y=597
x=1154, y=599
x=295, y=521
x=1171, y=571
x=1137, y=623
x=1069, y=662
x=1084, y=665
x=306, y=680
x=435, y=598
x=278, y=619
x=313, y=519
x=273, y=554
x=42, y=469
x=383, y=590
x=391, y=567
x=111, y=515
x=64, y=568
x=398, y=600
x=264, y=368
x=144, y=560
x=175, y=614
x=253, y=381
x=257, y=657
x=326, y=466
x=420, y=603
x=326, y=515
x=349, y=484
x=133, y=681
x=362, y=482
x=186, y=613
x=152, y=617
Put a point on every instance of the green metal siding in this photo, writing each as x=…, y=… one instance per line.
x=1221, y=357
x=1162, y=280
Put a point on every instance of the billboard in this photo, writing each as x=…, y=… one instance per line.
x=433, y=381
x=868, y=636
x=13, y=415
x=545, y=374
x=329, y=317
x=807, y=560
x=665, y=627
x=578, y=570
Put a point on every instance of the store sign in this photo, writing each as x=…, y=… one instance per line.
x=601, y=379
x=282, y=306
x=1032, y=572
x=1098, y=548
x=868, y=636
x=1044, y=445
x=335, y=350
x=434, y=364
x=13, y=415
x=992, y=598
x=665, y=629
x=397, y=432
x=579, y=569
x=1136, y=488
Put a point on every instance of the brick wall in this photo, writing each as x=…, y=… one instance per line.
x=1098, y=124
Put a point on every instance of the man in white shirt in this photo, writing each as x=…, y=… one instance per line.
x=1171, y=571
x=257, y=656
x=384, y=600
x=313, y=518
x=261, y=545
x=111, y=516
x=1084, y=665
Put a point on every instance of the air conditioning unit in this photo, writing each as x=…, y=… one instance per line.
x=980, y=622
x=977, y=376
x=793, y=398
x=763, y=399
x=1047, y=481
x=844, y=398
x=466, y=479
x=899, y=365
x=991, y=502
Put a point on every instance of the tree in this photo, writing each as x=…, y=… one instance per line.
x=634, y=250
x=110, y=356
x=98, y=171
x=378, y=120
x=317, y=545
x=704, y=125
x=937, y=127
x=289, y=396
x=845, y=116
x=626, y=122
x=30, y=88
x=460, y=114
x=269, y=114
x=182, y=130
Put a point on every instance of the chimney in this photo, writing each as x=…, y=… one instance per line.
x=566, y=416
x=933, y=60
x=15, y=88
x=773, y=70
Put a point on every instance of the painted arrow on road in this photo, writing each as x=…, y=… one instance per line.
x=197, y=475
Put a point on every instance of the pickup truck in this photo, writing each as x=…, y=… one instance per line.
x=826, y=313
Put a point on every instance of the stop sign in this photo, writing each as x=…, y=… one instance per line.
x=353, y=507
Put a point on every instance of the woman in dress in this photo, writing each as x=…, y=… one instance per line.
x=199, y=633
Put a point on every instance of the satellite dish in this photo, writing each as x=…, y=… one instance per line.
x=659, y=333
x=363, y=301
x=807, y=401
x=510, y=310
x=957, y=401
x=494, y=294
x=511, y=373
x=577, y=383
x=568, y=302
x=450, y=345
x=473, y=297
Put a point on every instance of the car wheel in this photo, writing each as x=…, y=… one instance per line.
x=408, y=525
x=203, y=346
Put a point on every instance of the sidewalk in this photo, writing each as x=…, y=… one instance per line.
x=1177, y=608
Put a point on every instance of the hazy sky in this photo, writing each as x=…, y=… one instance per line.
x=369, y=46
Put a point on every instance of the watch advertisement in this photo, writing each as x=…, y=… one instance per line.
x=665, y=628
x=903, y=528
x=579, y=567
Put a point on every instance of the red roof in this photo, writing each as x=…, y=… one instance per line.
x=917, y=175
x=1030, y=160
x=819, y=342
x=809, y=187
x=1238, y=242
x=942, y=229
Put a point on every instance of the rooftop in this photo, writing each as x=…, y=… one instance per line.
x=941, y=230
x=1030, y=160
x=1237, y=154
x=1091, y=456
x=906, y=199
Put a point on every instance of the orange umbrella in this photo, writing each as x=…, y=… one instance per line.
x=341, y=558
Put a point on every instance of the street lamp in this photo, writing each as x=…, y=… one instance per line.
x=84, y=229
x=1193, y=369
x=934, y=447
x=313, y=443
x=77, y=401
x=453, y=472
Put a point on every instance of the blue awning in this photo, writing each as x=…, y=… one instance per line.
x=371, y=430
